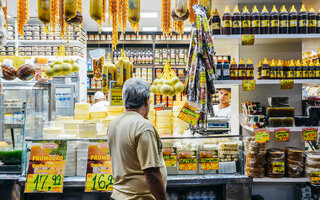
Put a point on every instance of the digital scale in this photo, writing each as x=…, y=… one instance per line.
x=218, y=124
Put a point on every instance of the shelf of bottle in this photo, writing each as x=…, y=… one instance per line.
x=120, y=42
x=50, y=42
x=271, y=36
x=172, y=66
x=187, y=42
x=271, y=129
x=268, y=82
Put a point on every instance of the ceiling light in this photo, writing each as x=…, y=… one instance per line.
x=149, y=15
x=187, y=29
x=107, y=29
x=149, y=28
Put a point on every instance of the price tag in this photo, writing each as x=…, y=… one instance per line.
x=209, y=160
x=99, y=170
x=46, y=166
x=281, y=135
x=278, y=168
x=286, y=84
x=248, y=85
x=262, y=135
x=190, y=113
x=310, y=134
x=99, y=182
x=247, y=39
x=170, y=156
x=315, y=177
x=188, y=160
x=115, y=94
x=44, y=183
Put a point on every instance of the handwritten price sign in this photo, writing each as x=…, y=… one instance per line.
x=248, y=85
x=315, y=177
x=310, y=134
x=247, y=39
x=190, y=113
x=281, y=135
x=286, y=84
x=44, y=183
x=99, y=182
x=262, y=135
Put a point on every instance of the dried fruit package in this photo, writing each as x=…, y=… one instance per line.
x=97, y=67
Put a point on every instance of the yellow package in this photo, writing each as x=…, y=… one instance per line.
x=44, y=11
x=70, y=8
x=96, y=11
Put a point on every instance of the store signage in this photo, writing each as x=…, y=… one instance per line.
x=188, y=160
x=190, y=113
x=99, y=170
x=170, y=156
x=262, y=135
x=286, y=84
x=248, y=85
x=115, y=94
x=282, y=135
x=315, y=177
x=247, y=39
x=310, y=134
x=209, y=160
x=46, y=166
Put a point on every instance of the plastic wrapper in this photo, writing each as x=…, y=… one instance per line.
x=192, y=77
x=44, y=11
x=280, y=122
x=97, y=67
x=255, y=172
x=8, y=72
x=280, y=112
x=276, y=163
x=208, y=37
x=180, y=7
x=257, y=148
x=295, y=162
x=199, y=35
x=70, y=8
x=255, y=161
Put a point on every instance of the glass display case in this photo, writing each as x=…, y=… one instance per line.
x=65, y=99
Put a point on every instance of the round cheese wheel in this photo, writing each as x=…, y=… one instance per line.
x=8, y=72
x=26, y=72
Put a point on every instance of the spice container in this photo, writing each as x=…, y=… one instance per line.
x=102, y=37
x=97, y=37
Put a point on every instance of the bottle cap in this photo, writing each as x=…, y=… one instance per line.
x=303, y=8
x=216, y=12
x=220, y=59
x=304, y=62
x=283, y=9
x=311, y=9
x=255, y=9
x=249, y=61
x=291, y=63
x=241, y=61
x=225, y=59
x=245, y=9
x=227, y=10
x=260, y=63
x=311, y=63
x=273, y=63
x=265, y=61
x=318, y=63
x=293, y=9
x=236, y=9
x=274, y=9
x=264, y=9
x=298, y=63
x=279, y=64
x=233, y=61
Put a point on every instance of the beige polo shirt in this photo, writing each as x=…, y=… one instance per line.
x=134, y=146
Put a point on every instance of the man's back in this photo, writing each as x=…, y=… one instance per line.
x=134, y=147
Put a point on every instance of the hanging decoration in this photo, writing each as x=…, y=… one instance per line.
x=179, y=14
x=166, y=17
x=22, y=15
x=98, y=11
x=178, y=26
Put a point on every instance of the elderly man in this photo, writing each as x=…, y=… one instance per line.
x=136, y=155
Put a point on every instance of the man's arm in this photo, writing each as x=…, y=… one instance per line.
x=155, y=183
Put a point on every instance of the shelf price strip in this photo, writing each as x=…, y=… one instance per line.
x=310, y=134
x=262, y=135
x=247, y=39
x=99, y=170
x=286, y=84
x=46, y=166
x=190, y=113
x=248, y=85
x=315, y=177
x=282, y=135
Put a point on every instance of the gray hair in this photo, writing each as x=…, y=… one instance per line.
x=135, y=92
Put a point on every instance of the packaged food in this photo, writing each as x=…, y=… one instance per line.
x=8, y=72
x=44, y=11
x=26, y=72
x=255, y=172
x=97, y=67
x=280, y=112
x=276, y=163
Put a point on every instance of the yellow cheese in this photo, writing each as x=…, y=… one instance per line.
x=64, y=118
x=59, y=124
x=71, y=125
x=87, y=126
x=177, y=120
x=179, y=103
x=164, y=119
x=98, y=115
x=82, y=116
x=102, y=135
x=152, y=112
x=53, y=131
x=164, y=113
x=87, y=134
x=81, y=112
x=115, y=108
x=163, y=125
x=164, y=131
x=82, y=106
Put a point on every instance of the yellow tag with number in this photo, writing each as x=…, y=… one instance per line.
x=281, y=135
x=247, y=39
x=315, y=177
x=248, y=85
x=310, y=134
x=44, y=183
x=190, y=113
x=262, y=135
x=286, y=84
x=99, y=182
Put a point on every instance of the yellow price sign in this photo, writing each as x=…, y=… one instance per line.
x=286, y=84
x=248, y=85
x=310, y=134
x=99, y=182
x=247, y=39
x=115, y=94
x=44, y=183
x=262, y=135
x=278, y=167
x=190, y=113
x=315, y=177
x=209, y=163
x=281, y=135
x=171, y=161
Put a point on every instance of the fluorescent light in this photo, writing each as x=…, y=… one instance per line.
x=187, y=29
x=149, y=28
x=149, y=15
x=107, y=29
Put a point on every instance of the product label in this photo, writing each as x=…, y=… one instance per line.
x=273, y=74
x=99, y=170
x=293, y=23
x=209, y=160
x=317, y=73
x=170, y=156
x=46, y=166
x=264, y=23
x=278, y=168
x=299, y=73
x=115, y=94
x=305, y=73
x=190, y=113
x=247, y=39
x=226, y=72
x=315, y=177
x=265, y=73
x=262, y=135
x=250, y=73
x=246, y=23
x=215, y=26
x=227, y=23
x=242, y=73
x=286, y=84
x=282, y=135
x=255, y=23
x=275, y=23
x=310, y=134
x=280, y=74
x=188, y=160
x=312, y=23
x=236, y=24
x=303, y=23
x=284, y=23
x=291, y=74
x=318, y=23
x=248, y=85
x=233, y=73
x=312, y=74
